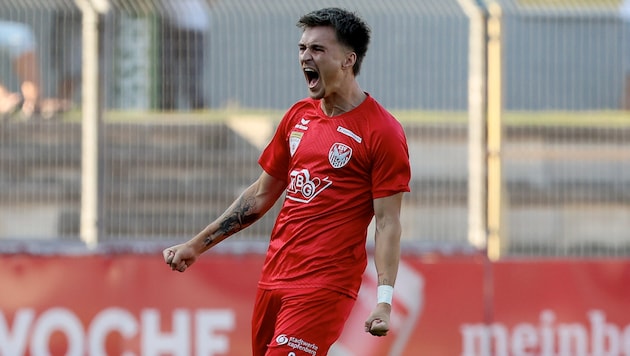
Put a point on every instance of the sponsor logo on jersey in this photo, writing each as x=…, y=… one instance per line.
x=294, y=141
x=302, y=124
x=297, y=344
x=282, y=339
x=303, y=188
x=349, y=133
x=339, y=155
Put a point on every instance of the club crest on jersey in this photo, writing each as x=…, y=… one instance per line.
x=294, y=141
x=339, y=155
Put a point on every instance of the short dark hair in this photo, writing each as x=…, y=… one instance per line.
x=351, y=30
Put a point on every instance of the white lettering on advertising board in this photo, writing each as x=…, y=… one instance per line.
x=208, y=328
x=547, y=338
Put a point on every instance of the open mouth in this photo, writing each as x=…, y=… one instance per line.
x=312, y=77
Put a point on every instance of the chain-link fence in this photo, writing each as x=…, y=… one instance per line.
x=566, y=157
x=191, y=91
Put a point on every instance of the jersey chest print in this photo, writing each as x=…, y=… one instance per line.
x=305, y=184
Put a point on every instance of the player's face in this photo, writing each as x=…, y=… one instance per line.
x=322, y=58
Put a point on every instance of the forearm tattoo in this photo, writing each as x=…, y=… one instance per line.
x=236, y=220
x=383, y=281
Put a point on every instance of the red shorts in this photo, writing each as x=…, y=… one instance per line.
x=299, y=321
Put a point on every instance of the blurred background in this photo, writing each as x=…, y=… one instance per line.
x=188, y=92
x=128, y=125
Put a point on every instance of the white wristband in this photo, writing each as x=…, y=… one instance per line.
x=385, y=294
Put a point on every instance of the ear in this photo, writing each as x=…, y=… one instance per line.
x=350, y=60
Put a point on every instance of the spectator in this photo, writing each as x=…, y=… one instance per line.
x=624, y=12
x=184, y=30
x=18, y=41
x=66, y=56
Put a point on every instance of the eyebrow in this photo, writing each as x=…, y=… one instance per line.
x=312, y=45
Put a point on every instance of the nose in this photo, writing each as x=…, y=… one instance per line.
x=305, y=55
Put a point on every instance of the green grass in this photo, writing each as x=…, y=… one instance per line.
x=452, y=117
x=527, y=118
x=517, y=118
x=567, y=118
x=177, y=116
x=571, y=3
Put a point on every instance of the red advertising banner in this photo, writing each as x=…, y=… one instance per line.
x=460, y=305
x=126, y=305
x=559, y=307
x=433, y=296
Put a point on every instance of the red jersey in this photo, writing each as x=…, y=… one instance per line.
x=334, y=167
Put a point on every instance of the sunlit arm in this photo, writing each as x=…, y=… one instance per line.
x=386, y=259
x=250, y=206
x=387, y=238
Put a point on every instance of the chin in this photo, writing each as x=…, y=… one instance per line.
x=319, y=94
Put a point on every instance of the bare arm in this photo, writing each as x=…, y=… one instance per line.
x=387, y=238
x=386, y=256
x=250, y=206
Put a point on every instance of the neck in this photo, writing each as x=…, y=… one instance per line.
x=337, y=104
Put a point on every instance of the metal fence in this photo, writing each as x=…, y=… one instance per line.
x=191, y=91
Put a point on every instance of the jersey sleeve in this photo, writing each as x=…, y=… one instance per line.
x=275, y=157
x=391, y=171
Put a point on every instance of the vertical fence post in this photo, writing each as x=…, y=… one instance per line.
x=477, y=107
x=91, y=121
x=495, y=111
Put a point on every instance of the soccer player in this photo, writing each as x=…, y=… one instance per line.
x=341, y=159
